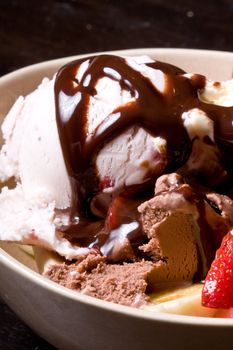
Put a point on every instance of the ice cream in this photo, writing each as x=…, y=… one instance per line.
x=86, y=150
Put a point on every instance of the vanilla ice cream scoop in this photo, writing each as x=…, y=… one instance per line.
x=32, y=155
x=32, y=152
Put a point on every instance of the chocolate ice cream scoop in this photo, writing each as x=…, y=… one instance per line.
x=184, y=227
x=123, y=284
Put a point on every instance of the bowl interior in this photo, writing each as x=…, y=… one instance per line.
x=215, y=65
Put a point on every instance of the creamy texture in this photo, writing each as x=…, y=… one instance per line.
x=32, y=155
x=218, y=93
x=119, y=161
x=32, y=152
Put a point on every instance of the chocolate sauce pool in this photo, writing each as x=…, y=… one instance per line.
x=158, y=113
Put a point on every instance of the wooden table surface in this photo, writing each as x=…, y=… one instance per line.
x=34, y=31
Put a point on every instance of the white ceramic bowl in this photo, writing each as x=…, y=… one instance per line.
x=70, y=320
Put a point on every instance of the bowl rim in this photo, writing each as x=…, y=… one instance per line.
x=16, y=266
x=131, y=52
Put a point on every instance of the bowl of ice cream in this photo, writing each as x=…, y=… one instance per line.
x=111, y=260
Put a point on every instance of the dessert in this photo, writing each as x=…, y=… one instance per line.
x=122, y=166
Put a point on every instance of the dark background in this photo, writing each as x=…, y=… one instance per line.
x=34, y=31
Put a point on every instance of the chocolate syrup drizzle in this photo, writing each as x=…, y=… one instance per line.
x=158, y=113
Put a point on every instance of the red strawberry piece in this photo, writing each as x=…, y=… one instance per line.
x=113, y=219
x=218, y=287
x=122, y=210
x=106, y=182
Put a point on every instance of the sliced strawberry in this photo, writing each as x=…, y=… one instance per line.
x=114, y=219
x=106, y=182
x=122, y=210
x=218, y=287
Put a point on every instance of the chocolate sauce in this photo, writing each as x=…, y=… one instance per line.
x=160, y=114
